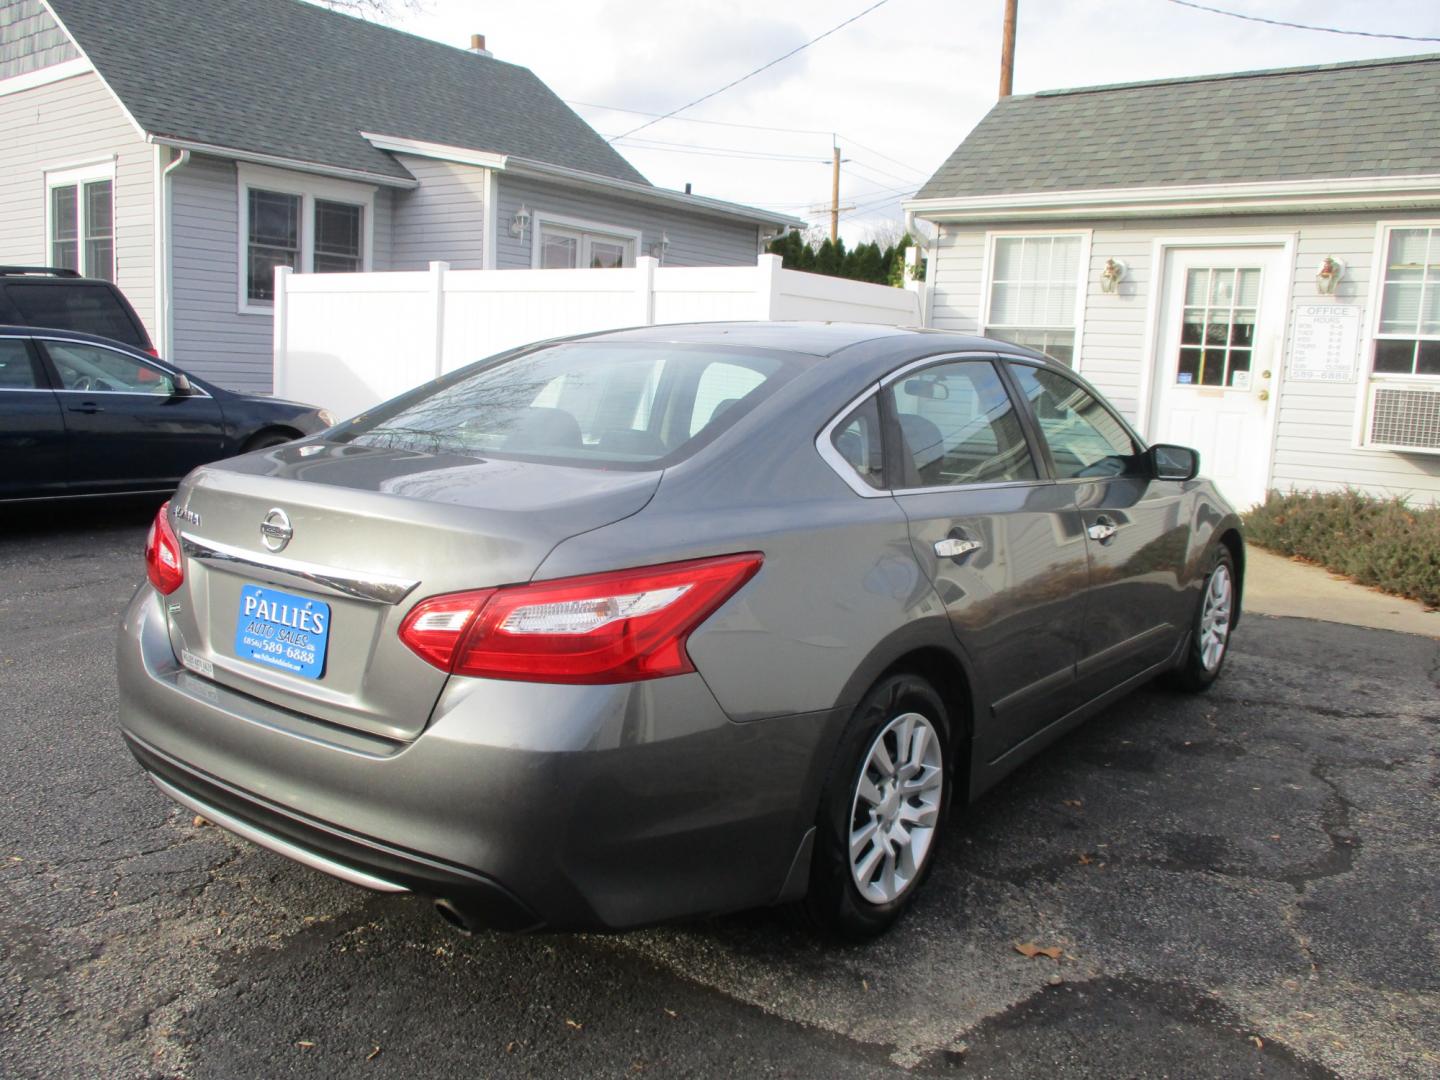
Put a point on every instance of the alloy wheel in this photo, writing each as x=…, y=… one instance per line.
x=896, y=808
x=1215, y=617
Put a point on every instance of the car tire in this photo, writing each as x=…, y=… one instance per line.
x=862, y=897
x=265, y=440
x=1209, y=642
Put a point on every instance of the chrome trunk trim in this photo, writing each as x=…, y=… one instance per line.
x=385, y=590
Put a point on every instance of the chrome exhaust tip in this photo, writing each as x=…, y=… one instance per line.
x=451, y=914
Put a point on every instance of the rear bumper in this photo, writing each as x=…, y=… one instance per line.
x=523, y=805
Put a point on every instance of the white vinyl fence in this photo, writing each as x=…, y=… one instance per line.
x=350, y=341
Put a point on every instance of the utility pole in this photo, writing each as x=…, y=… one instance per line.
x=835, y=196
x=1007, y=49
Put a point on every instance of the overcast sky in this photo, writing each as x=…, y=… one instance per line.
x=899, y=88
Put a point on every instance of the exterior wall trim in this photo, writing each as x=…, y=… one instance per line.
x=45, y=76
x=1355, y=193
x=291, y=164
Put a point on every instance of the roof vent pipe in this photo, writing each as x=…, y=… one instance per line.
x=477, y=45
x=687, y=187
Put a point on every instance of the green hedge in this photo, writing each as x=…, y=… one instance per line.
x=1379, y=542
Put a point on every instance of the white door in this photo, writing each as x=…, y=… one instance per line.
x=1222, y=315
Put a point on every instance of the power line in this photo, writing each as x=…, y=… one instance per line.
x=757, y=71
x=1299, y=26
x=864, y=168
x=871, y=150
x=692, y=120
x=724, y=152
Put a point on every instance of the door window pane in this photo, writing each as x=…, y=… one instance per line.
x=1410, y=303
x=1219, y=317
x=274, y=240
x=959, y=426
x=857, y=439
x=16, y=371
x=559, y=251
x=64, y=228
x=100, y=370
x=338, y=238
x=606, y=254
x=1085, y=437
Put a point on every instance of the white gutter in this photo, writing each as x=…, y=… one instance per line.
x=1269, y=197
x=579, y=178
x=164, y=258
x=285, y=163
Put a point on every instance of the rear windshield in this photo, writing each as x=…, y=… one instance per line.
x=636, y=405
x=91, y=309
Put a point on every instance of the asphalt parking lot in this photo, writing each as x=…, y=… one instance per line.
x=1241, y=884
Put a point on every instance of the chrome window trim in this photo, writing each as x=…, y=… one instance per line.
x=328, y=579
x=196, y=392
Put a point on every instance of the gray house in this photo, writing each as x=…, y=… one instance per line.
x=1246, y=263
x=186, y=148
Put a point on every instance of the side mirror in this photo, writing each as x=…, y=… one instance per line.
x=1173, y=462
x=183, y=386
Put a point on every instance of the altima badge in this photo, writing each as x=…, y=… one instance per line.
x=275, y=530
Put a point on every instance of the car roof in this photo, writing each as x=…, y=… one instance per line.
x=7, y=330
x=813, y=338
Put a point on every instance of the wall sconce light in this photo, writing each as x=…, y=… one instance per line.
x=1112, y=274
x=520, y=222
x=659, y=247
x=1328, y=275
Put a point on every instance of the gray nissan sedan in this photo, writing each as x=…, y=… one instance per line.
x=667, y=622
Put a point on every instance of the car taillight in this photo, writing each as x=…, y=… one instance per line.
x=601, y=628
x=163, y=563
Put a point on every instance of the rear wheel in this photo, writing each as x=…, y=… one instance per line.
x=881, y=811
x=1210, y=634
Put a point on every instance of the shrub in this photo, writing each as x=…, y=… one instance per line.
x=1381, y=542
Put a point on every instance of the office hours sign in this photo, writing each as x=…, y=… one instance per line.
x=1326, y=343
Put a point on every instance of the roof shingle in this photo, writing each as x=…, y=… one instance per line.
x=291, y=80
x=1370, y=118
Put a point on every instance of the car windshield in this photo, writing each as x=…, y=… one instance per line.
x=583, y=403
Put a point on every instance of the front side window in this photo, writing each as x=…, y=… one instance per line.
x=1086, y=439
x=99, y=370
x=595, y=404
x=958, y=425
x=1034, y=284
x=274, y=240
x=82, y=226
x=1407, y=340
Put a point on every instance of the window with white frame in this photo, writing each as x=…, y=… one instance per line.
x=561, y=244
x=80, y=211
x=310, y=224
x=1033, y=292
x=1407, y=336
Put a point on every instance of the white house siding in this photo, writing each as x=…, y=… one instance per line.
x=694, y=240
x=30, y=39
x=441, y=220
x=70, y=123
x=212, y=337
x=1316, y=426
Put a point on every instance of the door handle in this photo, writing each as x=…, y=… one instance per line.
x=1103, y=529
x=88, y=407
x=955, y=547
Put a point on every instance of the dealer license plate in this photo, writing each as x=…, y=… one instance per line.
x=281, y=630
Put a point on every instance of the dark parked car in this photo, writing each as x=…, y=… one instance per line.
x=85, y=415
x=59, y=299
x=666, y=622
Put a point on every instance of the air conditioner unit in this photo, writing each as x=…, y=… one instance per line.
x=1404, y=417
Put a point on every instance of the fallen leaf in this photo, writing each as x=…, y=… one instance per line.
x=1259, y=1042
x=671, y=1013
x=1075, y=803
x=510, y=1047
x=199, y=822
x=1085, y=859
x=1031, y=950
x=865, y=985
x=573, y=1024
x=373, y=1054
x=306, y=1043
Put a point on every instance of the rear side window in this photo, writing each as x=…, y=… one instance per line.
x=1086, y=439
x=958, y=426
x=583, y=403
x=83, y=306
x=16, y=370
x=857, y=439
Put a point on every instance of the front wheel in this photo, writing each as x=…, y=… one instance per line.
x=1210, y=634
x=881, y=811
x=266, y=439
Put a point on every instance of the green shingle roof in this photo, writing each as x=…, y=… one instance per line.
x=292, y=80
x=1369, y=118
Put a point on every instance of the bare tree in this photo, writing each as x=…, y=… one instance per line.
x=885, y=234
x=379, y=10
